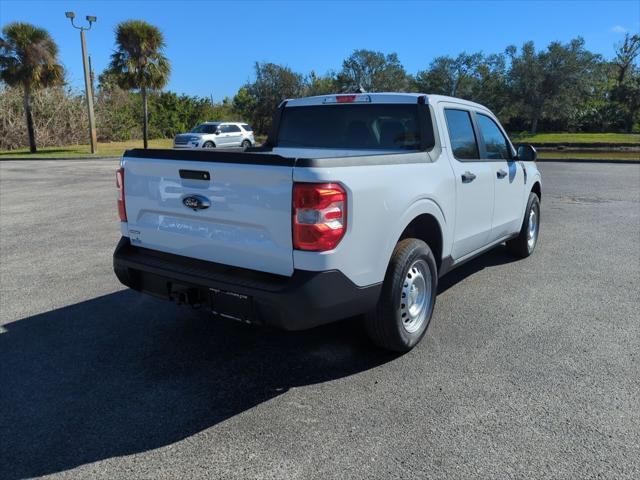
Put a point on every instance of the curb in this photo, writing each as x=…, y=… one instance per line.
x=588, y=160
x=587, y=145
x=31, y=159
x=101, y=157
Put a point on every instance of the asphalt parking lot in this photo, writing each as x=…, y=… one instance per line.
x=530, y=368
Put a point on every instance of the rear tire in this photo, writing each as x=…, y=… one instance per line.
x=408, y=296
x=525, y=243
x=245, y=144
x=208, y=144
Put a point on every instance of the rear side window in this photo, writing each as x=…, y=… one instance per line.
x=246, y=127
x=495, y=142
x=230, y=128
x=355, y=127
x=461, y=134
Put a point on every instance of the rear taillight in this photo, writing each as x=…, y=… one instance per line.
x=319, y=216
x=120, y=186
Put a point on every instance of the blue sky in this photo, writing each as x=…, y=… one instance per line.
x=213, y=45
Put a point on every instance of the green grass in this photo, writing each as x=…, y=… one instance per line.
x=591, y=155
x=115, y=149
x=576, y=138
x=111, y=149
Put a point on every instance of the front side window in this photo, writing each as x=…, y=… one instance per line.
x=495, y=143
x=356, y=127
x=461, y=134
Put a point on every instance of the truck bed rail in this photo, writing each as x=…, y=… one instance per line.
x=211, y=155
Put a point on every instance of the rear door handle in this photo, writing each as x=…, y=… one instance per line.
x=468, y=177
x=501, y=173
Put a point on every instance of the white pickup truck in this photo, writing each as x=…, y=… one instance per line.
x=355, y=206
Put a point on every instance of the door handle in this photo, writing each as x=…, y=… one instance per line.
x=501, y=173
x=468, y=177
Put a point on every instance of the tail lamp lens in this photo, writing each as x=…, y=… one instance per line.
x=319, y=216
x=120, y=196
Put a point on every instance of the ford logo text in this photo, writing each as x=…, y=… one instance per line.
x=196, y=202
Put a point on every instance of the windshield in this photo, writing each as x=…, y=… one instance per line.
x=359, y=127
x=205, y=128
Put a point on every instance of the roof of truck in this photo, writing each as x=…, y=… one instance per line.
x=381, y=97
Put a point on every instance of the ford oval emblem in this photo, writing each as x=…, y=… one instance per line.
x=196, y=202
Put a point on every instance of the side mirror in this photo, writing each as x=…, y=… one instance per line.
x=218, y=132
x=527, y=153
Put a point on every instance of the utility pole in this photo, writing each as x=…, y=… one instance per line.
x=92, y=78
x=88, y=84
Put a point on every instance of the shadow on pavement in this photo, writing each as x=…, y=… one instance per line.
x=125, y=373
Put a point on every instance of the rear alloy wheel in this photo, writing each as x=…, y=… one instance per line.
x=209, y=144
x=525, y=243
x=245, y=144
x=408, y=296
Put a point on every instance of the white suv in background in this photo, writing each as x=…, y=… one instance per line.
x=216, y=135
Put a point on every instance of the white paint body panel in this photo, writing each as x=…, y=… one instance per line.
x=474, y=207
x=249, y=222
x=382, y=201
x=510, y=201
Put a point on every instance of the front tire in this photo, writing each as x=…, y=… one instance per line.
x=208, y=144
x=525, y=243
x=408, y=296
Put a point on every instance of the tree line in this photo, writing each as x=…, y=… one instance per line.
x=563, y=87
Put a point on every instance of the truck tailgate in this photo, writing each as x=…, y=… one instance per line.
x=247, y=223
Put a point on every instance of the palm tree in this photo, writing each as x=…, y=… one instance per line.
x=29, y=58
x=138, y=62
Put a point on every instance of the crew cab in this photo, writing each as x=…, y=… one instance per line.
x=216, y=135
x=355, y=206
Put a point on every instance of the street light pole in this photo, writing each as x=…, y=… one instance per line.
x=88, y=84
x=91, y=78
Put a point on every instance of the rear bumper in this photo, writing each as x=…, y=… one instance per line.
x=304, y=300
